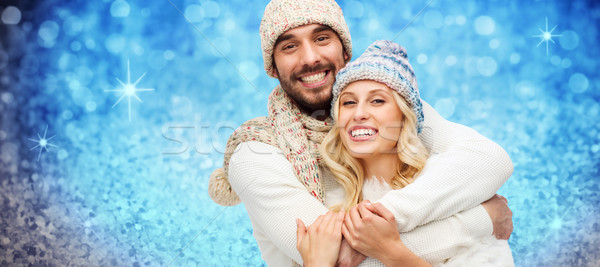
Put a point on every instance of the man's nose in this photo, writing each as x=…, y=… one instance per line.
x=310, y=54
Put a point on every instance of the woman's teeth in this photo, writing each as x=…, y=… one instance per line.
x=313, y=78
x=362, y=132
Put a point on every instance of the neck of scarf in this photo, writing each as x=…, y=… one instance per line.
x=296, y=134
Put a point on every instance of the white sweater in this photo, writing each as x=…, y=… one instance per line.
x=469, y=170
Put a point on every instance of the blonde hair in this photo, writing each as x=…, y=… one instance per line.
x=349, y=172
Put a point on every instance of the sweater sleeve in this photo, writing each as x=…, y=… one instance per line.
x=469, y=170
x=265, y=182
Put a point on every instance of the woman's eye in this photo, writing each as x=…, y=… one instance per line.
x=378, y=101
x=349, y=102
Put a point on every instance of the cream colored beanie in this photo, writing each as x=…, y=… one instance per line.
x=283, y=15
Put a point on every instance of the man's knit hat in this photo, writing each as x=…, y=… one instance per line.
x=283, y=15
x=385, y=62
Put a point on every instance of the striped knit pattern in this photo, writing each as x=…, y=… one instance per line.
x=385, y=62
x=283, y=15
x=296, y=134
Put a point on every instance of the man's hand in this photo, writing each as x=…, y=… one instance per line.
x=501, y=215
x=349, y=257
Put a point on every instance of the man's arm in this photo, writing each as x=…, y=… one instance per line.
x=469, y=169
x=265, y=182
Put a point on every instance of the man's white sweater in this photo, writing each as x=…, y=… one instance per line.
x=437, y=214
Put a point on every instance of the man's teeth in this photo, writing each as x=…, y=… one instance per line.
x=313, y=78
x=363, y=132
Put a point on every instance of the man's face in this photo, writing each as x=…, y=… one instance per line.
x=306, y=60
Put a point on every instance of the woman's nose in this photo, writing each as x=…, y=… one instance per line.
x=361, y=113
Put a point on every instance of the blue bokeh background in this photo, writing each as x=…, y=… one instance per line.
x=121, y=191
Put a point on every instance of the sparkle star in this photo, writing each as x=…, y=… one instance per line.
x=129, y=90
x=546, y=36
x=42, y=143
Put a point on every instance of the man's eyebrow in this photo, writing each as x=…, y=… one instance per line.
x=282, y=38
x=288, y=36
x=322, y=28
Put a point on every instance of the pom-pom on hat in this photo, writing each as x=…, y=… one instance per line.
x=385, y=62
x=283, y=15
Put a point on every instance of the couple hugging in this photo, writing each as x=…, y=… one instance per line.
x=350, y=166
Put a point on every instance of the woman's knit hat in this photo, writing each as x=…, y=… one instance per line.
x=283, y=15
x=385, y=62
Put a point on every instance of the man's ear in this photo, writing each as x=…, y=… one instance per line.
x=275, y=72
x=346, y=57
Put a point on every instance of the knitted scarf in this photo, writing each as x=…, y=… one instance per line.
x=296, y=134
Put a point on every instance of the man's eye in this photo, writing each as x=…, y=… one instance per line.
x=290, y=46
x=322, y=38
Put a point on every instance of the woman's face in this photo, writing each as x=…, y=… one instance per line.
x=369, y=118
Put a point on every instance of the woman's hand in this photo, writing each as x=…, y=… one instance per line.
x=371, y=229
x=319, y=245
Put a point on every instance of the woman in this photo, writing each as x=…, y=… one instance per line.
x=378, y=114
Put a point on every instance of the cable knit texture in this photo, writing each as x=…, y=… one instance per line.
x=385, y=62
x=283, y=15
x=296, y=134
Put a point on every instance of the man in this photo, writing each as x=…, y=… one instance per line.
x=272, y=163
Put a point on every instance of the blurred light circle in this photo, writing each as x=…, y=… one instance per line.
x=249, y=69
x=7, y=97
x=11, y=15
x=486, y=66
x=445, y=107
x=525, y=89
x=194, y=13
x=353, y=9
x=433, y=19
x=578, y=83
x=62, y=154
x=449, y=20
x=81, y=96
x=119, y=9
x=484, y=25
x=422, y=58
x=67, y=115
x=72, y=26
x=90, y=106
x=566, y=63
x=373, y=24
x=169, y=55
x=3, y=135
x=75, y=46
x=555, y=60
x=90, y=44
x=461, y=20
x=569, y=40
x=494, y=43
x=115, y=43
x=515, y=58
x=223, y=45
x=48, y=31
x=146, y=12
x=211, y=9
x=3, y=59
x=450, y=60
